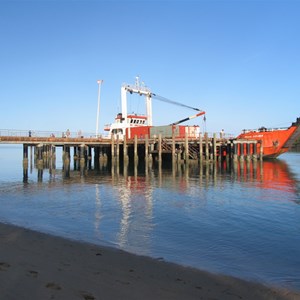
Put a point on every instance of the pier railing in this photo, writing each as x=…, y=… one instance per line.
x=45, y=134
x=73, y=134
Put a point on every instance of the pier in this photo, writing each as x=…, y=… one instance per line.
x=156, y=149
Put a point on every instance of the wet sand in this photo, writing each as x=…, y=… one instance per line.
x=39, y=266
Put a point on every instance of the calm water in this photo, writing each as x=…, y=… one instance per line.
x=237, y=220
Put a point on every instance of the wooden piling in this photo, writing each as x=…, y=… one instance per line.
x=96, y=157
x=25, y=151
x=125, y=154
x=241, y=151
x=82, y=153
x=75, y=150
x=254, y=155
x=200, y=148
x=40, y=155
x=248, y=151
x=25, y=162
x=186, y=148
x=235, y=151
x=118, y=148
x=228, y=151
x=159, y=148
x=146, y=147
x=89, y=149
x=135, y=148
x=66, y=152
x=206, y=146
x=112, y=147
x=173, y=148
x=214, y=141
x=261, y=152
x=25, y=172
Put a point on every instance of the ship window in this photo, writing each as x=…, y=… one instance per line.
x=116, y=131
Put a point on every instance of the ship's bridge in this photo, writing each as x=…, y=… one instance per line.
x=136, y=119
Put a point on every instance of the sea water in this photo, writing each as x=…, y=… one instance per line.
x=237, y=219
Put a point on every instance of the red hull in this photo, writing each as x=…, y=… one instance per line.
x=274, y=141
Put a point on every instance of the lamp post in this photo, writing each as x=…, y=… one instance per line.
x=98, y=108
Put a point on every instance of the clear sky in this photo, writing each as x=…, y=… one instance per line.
x=237, y=60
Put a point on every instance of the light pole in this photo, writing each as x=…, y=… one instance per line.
x=98, y=108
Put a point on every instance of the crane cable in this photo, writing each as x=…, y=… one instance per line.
x=173, y=102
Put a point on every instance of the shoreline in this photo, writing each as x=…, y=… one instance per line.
x=36, y=265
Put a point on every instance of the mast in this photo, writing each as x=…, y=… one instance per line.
x=98, y=107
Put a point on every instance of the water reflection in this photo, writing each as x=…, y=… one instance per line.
x=98, y=216
x=273, y=174
x=135, y=198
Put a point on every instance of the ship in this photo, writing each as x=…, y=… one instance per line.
x=130, y=125
x=275, y=141
x=271, y=142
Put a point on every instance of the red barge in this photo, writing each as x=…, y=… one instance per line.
x=274, y=141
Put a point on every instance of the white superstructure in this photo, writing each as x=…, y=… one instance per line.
x=124, y=120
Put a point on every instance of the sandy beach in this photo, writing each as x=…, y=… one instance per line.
x=34, y=265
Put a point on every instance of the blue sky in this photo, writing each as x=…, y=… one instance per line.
x=237, y=60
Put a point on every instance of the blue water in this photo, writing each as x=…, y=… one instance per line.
x=240, y=220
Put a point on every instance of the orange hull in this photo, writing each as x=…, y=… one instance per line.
x=274, y=141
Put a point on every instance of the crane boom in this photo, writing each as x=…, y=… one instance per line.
x=201, y=112
x=189, y=118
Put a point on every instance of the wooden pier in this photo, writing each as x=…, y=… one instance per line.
x=155, y=149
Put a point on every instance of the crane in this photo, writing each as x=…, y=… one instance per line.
x=141, y=89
